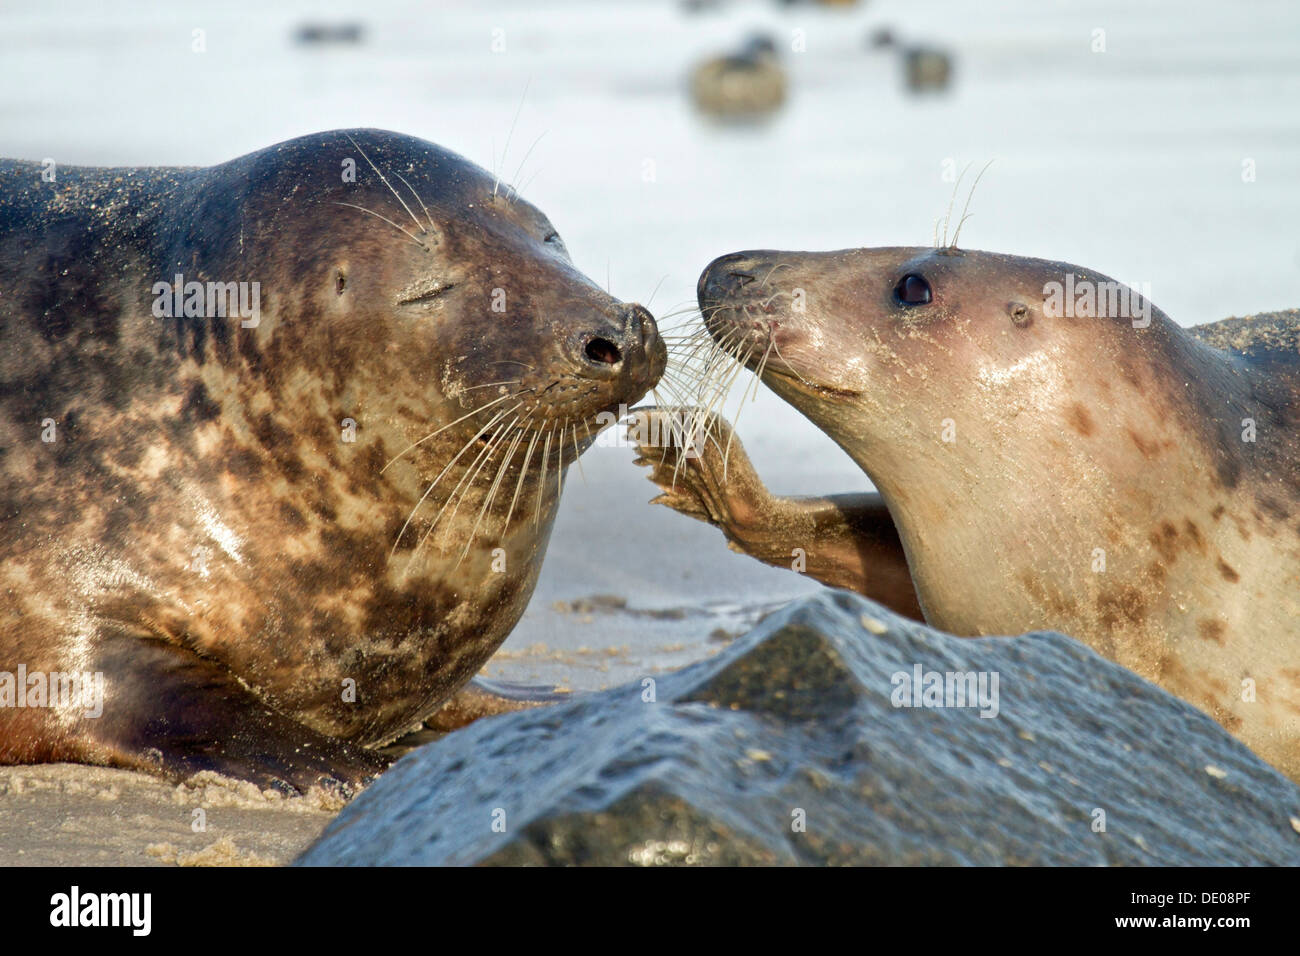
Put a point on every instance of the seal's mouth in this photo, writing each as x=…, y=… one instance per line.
x=791, y=379
x=753, y=320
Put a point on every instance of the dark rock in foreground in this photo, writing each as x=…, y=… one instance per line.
x=794, y=724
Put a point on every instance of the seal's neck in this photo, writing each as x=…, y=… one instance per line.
x=1096, y=506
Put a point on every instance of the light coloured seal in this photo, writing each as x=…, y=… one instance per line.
x=1050, y=452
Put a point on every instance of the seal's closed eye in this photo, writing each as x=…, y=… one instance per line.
x=912, y=289
x=423, y=291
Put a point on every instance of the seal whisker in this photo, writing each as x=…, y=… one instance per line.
x=688, y=385
x=692, y=365
x=463, y=486
x=432, y=434
x=693, y=344
x=947, y=217
x=492, y=490
x=371, y=212
x=541, y=485
x=720, y=362
x=697, y=356
x=511, y=132
x=559, y=468
x=970, y=195
x=779, y=265
x=757, y=380
x=786, y=363
x=711, y=374
x=765, y=303
x=758, y=372
x=523, y=473
x=577, y=456
x=428, y=215
x=689, y=327
x=529, y=182
x=467, y=480
x=383, y=179
x=495, y=418
x=705, y=414
x=520, y=170
x=740, y=367
x=726, y=365
x=655, y=290
x=470, y=388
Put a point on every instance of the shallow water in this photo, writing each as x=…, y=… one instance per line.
x=1128, y=161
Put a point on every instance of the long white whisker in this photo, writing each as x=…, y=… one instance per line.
x=523, y=473
x=506, y=149
x=577, y=456
x=432, y=434
x=466, y=481
x=514, y=189
x=969, y=196
x=541, y=486
x=382, y=178
x=371, y=212
x=492, y=491
x=418, y=199
x=446, y=468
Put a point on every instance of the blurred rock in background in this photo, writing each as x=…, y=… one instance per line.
x=744, y=86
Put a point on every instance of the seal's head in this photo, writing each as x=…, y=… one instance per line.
x=964, y=382
x=426, y=287
x=882, y=346
x=411, y=297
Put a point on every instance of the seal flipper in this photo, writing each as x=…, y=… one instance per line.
x=485, y=698
x=168, y=711
x=847, y=541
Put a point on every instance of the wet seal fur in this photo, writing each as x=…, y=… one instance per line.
x=1124, y=480
x=282, y=540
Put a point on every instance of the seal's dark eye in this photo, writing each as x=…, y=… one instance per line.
x=554, y=237
x=912, y=289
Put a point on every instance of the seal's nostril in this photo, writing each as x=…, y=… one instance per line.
x=744, y=278
x=603, y=352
